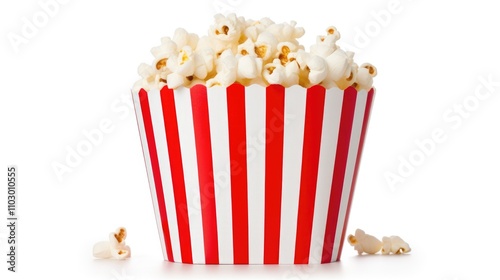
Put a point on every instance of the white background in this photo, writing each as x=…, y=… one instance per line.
x=77, y=70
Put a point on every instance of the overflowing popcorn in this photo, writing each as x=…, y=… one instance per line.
x=114, y=247
x=237, y=50
x=365, y=243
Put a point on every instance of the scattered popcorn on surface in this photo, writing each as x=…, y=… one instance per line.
x=365, y=243
x=394, y=245
x=113, y=248
x=252, y=52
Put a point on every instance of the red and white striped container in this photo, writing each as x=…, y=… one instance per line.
x=252, y=175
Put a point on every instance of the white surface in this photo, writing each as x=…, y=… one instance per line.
x=76, y=72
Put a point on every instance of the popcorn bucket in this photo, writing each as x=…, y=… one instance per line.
x=252, y=175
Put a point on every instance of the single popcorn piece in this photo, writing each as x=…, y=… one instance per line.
x=349, y=79
x=150, y=77
x=286, y=32
x=274, y=73
x=394, y=245
x=317, y=69
x=246, y=51
x=338, y=64
x=114, y=248
x=163, y=52
x=225, y=32
x=340, y=69
x=226, y=70
x=364, y=78
x=182, y=63
x=326, y=45
x=254, y=28
x=249, y=65
x=182, y=67
x=265, y=46
x=365, y=243
x=313, y=68
x=183, y=38
x=299, y=58
x=204, y=59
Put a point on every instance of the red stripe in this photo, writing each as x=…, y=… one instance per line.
x=358, y=159
x=275, y=107
x=203, y=141
x=342, y=152
x=315, y=102
x=174, y=152
x=153, y=155
x=238, y=158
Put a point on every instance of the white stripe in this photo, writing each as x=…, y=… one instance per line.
x=329, y=137
x=166, y=176
x=255, y=115
x=293, y=137
x=147, y=161
x=217, y=108
x=190, y=167
x=357, y=125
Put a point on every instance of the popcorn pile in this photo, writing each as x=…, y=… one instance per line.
x=252, y=52
x=365, y=243
x=114, y=247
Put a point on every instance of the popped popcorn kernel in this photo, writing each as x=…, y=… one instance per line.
x=365, y=243
x=249, y=52
x=114, y=247
x=364, y=78
x=274, y=73
x=395, y=245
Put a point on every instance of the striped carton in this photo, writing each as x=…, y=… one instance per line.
x=252, y=175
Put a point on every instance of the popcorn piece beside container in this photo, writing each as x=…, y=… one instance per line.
x=114, y=247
